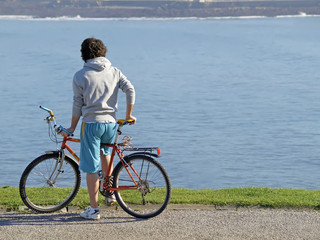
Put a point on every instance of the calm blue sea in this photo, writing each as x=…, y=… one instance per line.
x=230, y=102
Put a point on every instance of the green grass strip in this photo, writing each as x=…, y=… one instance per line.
x=250, y=196
x=238, y=197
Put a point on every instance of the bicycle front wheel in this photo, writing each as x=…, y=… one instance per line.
x=49, y=183
x=154, y=188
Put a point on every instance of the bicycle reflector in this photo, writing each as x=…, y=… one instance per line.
x=158, y=151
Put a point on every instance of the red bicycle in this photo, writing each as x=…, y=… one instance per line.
x=141, y=185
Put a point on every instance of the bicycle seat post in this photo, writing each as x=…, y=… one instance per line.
x=118, y=133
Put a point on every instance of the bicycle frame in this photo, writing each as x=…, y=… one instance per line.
x=115, y=149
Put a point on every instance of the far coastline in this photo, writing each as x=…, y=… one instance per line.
x=156, y=9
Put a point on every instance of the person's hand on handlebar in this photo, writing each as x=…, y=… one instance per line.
x=74, y=122
x=133, y=120
x=65, y=134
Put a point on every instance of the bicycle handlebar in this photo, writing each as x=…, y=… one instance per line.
x=60, y=128
x=48, y=110
x=57, y=128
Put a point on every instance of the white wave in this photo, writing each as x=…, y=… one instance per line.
x=79, y=18
x=15, y=17
x=300, y=15
x=33, y=18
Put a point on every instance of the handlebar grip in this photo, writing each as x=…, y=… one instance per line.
x=60, y=128
x=44, y=108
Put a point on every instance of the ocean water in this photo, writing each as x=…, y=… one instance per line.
x=230, y=102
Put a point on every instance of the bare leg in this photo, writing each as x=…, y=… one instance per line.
x=93, y=188
x=93, y=180
x=105, y=162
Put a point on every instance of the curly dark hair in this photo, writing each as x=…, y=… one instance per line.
x=92, y=48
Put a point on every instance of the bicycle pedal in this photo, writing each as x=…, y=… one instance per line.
x=110, y=203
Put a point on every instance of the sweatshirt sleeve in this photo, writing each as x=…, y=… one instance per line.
x=77, y=98
x=126, y=86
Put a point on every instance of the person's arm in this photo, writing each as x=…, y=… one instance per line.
x=128, y=89
x=76, y=107
x=74, y=123
x=129, y=113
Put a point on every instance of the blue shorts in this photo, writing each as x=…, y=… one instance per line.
x=91, y=135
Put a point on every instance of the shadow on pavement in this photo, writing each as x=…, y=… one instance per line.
x=14, y=218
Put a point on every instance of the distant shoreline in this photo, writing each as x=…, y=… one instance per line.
x=159, y=9
x=79, y=18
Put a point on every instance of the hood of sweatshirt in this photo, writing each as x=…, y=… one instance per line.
x=99, y=63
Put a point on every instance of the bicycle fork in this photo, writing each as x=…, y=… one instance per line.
x=57, y=169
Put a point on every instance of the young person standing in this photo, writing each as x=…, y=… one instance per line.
x=95, y=99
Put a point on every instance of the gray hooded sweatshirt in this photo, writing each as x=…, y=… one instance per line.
x=95, y=89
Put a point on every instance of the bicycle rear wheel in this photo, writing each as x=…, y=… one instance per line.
x=49, y=183
x=154, y=190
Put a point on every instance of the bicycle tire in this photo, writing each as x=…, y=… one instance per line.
x=153, y=196
x=39, y=193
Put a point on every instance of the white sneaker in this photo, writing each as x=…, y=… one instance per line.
x=91, y=213
x=110, y=200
